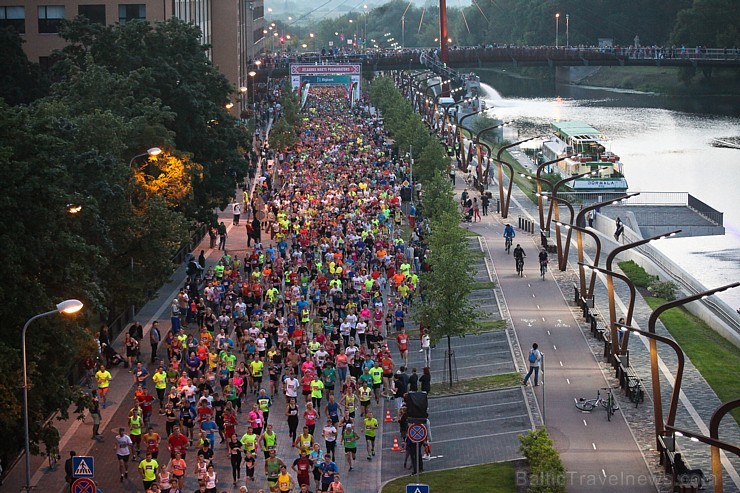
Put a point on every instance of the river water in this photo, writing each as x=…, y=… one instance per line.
x=665, y=145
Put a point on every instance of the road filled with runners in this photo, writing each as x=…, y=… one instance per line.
x=295, y=332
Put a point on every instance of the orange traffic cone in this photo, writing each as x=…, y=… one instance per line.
x=395, y=448
x=388, y=418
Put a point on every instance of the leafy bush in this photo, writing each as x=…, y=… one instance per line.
x=546, y=470
x=637, y=274
x=663, y=289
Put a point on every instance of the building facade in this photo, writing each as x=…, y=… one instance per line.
x=231, y=28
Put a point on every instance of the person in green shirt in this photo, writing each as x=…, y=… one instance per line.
x=349, y=440
x=230, y=360
x=268, y=439
x=366, y=397
x=135, y=422
x=377, y=373
x=250, y=441
x=264, y=402
x=371, y=427
x=272, y=469
x=317, y=392
x=148, y=470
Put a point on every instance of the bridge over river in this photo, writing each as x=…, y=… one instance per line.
x=546, y=56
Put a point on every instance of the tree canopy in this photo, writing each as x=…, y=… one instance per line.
x=117, y=91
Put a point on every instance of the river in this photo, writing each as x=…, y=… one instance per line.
x=665, y=145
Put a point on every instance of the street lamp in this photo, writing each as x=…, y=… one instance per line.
x=567, y=30
x=557, y=28
x=477, y=142
x=563, y=262
x=610, y=287
x=657, y=403
x=505, y=204
x=69, y=307
x=543, y=225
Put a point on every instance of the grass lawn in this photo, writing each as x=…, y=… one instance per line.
x=487, y=478
x=491, y=382
x=493, y=325
x=714, y=356
x=477, y=286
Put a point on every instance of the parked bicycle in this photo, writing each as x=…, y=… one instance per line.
x=607, y=402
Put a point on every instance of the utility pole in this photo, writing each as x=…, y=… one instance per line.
x=443, y=31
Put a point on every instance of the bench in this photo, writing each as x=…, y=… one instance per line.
x=628, y=379
x=667, y=450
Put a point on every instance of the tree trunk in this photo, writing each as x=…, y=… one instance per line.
x=449, y=358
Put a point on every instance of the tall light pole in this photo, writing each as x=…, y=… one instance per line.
x=567, y=30
x=557, y=28
x=505, y=203
x=68, y=307
x=364, y=36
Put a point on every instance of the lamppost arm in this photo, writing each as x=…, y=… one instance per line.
x=68, y=306
x=654, y=364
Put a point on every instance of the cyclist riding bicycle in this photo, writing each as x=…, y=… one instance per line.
x=543, y=260
x=519, y=257
x=509, y=235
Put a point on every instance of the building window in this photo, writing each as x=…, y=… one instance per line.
x=258, y=12
x=94, y=13
x=14, y=17
x=50, y=16
x=131, y=11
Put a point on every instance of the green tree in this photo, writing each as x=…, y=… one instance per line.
x=172, y=68
x=20, y=80
x=712, y=23
x=447, y=310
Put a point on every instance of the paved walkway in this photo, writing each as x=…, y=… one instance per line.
x=698, y=401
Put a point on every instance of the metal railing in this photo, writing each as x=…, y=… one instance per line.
x=705, y=210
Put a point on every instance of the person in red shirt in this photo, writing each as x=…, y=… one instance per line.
x=402, y=339
x=145, y=400
x=387, y=364
x=177, y=443
x=303, y=467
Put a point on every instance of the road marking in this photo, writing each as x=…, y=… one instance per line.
x=568, y=380
x=561, y=363
x=543, y=318
x=554, y=347
x=538, y=307
x=533, y=296
x=548, y=332
x=603, y=472
x=594, y=445
x=585, y=423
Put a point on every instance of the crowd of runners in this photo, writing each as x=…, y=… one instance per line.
x=301, y=328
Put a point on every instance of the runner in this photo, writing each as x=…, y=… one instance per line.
x=123, y=452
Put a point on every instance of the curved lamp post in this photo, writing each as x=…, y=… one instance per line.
x=477, y=143
x=540, y=198
x=545, y=225
x=610, y=287
x=68, y=307
x=505, y=203
x=461, y=135
x=584, y=292
x=579, y=240
x=713, y=440
x=554, y=205
x=657, y=403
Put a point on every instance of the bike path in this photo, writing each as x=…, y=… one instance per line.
x=596, y=453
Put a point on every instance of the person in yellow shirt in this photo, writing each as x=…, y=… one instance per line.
x=148, y=470
x=285, y=483
x=160, y=385
x=103, y=377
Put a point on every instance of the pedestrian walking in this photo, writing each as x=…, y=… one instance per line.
x=222, y=236
x=155, y=336
x=620, y=229
x=476, y=210
x=535, y=359
x=237, y=211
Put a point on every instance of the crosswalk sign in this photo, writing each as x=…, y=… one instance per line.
x=83, y=466
x=417, y=488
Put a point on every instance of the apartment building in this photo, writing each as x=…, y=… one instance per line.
x=232, y=28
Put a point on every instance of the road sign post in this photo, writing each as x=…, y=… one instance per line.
x=83, y=466
x=417, y=488
x=84, y=485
